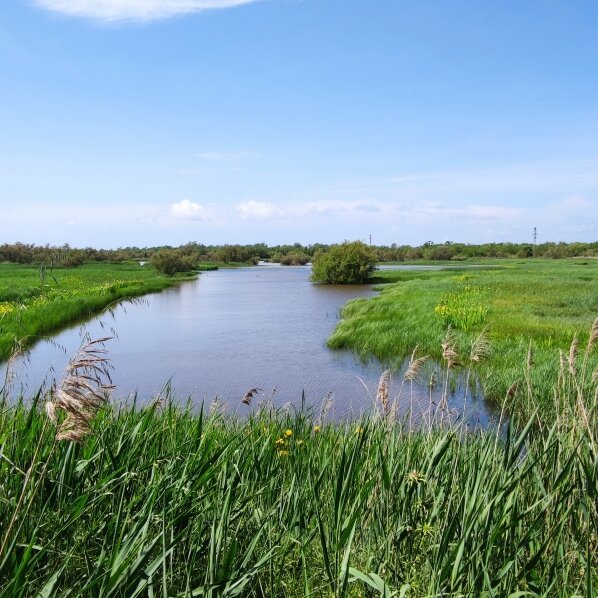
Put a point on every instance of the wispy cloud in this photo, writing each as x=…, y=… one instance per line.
x=133, y=10
x=189, y=210
x=263, y=210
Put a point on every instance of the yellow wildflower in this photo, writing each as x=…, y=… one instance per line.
x=283, y=453
x=415, y=477
x=288, y=433
x=279, y=442
x=317, y=429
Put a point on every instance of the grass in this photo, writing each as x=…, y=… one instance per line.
x=31, y=307
x=169, y=501
x=531, y=310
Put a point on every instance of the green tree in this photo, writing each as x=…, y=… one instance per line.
x=347, y=263
x=171, y=261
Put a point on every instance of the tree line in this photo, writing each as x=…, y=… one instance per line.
x=65, y=255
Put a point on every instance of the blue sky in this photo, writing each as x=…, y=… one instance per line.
x=147, y=122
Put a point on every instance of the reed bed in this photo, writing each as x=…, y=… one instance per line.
x=167, y=500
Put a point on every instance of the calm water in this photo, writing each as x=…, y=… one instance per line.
x=227, y=332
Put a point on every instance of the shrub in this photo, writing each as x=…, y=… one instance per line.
x=293, y=259
x=347, y=263
x=171, y=261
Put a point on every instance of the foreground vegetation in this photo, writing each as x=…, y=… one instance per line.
x=35, y=302
x=167, y=501
x=530, y=309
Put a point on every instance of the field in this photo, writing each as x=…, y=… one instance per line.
x=32, y=306
x=529, y=310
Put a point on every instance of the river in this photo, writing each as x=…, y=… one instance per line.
x=227, y=332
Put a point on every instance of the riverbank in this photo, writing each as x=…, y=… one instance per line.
x=31, y=307
x=530, y=309
x=166, y=501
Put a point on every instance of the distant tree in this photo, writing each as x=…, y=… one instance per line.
x=526, y=251
x=171, y=261
x=347, y=263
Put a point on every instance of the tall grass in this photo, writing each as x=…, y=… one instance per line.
x=166, y=500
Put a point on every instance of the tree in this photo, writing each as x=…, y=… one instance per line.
x=347, y=263
x=171, y=261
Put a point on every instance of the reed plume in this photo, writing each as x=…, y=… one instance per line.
x=480, y=348
x=449, y=349
x=573, y=350
x=248, y=396
x=593, y=335
x=81, y=392
x=415, y=366
x=382, y=392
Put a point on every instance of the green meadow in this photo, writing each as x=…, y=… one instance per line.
x=529, y=310
x=34, y=303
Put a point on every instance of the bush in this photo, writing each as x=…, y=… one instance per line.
x=348, y=263
x=171, y=261
x=293, y=259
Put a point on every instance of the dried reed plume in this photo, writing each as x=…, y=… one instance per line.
x=480, y=348
x=382, y=392
x=81, y=392
x=593, y=335
x=248, y=396
x=449, y=349
x=573, y=355
x=415, y=366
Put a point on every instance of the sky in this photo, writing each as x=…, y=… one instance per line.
x=153, y=122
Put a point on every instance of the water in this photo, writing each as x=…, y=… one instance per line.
x=227, y=332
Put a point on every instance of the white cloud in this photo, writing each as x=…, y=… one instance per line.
x=259, y=210
x=133, y=10
x=189, y=210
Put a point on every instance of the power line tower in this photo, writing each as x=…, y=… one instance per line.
x=535, y=238
x=370, y=239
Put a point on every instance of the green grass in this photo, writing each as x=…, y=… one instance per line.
x=164, y=501
x=542, y=302
x=31, y=308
